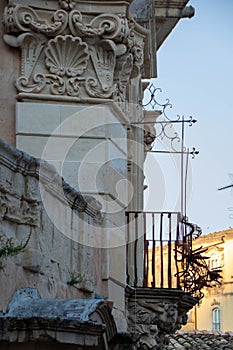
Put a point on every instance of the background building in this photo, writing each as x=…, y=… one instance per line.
x=214, y=313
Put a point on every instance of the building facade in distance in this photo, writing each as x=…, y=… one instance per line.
x=214, y=313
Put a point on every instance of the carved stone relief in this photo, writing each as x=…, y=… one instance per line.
x=69, y=55
x=149, y=136
x=19, y=210
x=156, y=316
x=59, y=62
x=154, y=322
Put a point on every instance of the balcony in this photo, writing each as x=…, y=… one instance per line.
x=161, y=288
x=159, y=246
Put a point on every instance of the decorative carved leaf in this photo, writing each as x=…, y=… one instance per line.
x=104, y=61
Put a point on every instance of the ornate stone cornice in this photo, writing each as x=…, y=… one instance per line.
x=71, y=53
x=160, y=17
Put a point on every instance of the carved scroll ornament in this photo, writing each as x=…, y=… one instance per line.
x=68, y=54
x=24, y=18
x=107, y=26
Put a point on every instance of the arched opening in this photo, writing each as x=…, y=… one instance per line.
x=216, y=319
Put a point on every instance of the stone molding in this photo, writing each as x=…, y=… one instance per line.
x=156, y=313
x=82, y=323
x=37, y=169
x=69, y=53
x=159, y=17
x=29, y=318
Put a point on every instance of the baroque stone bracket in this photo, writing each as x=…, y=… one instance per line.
x=156, y=313
x=73, y=55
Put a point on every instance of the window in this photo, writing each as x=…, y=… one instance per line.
x=216, y=319
x=214, y=262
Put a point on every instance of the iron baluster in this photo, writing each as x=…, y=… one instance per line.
x=169, y=252
x=153, y=250
x=146, y=257
x=135, y=250
x=161, y=249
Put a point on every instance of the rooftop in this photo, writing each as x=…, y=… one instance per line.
x=201, y=340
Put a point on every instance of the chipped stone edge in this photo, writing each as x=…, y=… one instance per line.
x=21, y=162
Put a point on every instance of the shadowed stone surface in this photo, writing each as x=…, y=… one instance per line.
x=156, y=313
x=29, y=318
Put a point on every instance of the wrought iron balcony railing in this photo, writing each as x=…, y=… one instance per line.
x=160, y=254
x=153, y=239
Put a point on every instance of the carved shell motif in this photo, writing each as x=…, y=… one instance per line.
x=66, y=55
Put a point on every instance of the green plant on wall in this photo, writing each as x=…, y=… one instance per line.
x=8, y=247
x=74, y=279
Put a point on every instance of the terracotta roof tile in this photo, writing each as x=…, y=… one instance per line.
x=201, y=340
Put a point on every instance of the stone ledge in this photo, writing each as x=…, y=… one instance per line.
x=21, y=162
x=161, y=294
x=81, y=322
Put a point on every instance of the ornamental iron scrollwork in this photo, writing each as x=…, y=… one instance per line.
x=194, y=273
x=164, y=125
x=153, y=103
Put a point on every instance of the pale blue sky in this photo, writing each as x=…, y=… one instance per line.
x=195, y=71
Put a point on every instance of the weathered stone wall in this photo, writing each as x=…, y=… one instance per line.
x=51, y=260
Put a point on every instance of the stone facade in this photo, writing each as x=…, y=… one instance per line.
x=50, y=257
x=78, y=65
x=77, y=68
